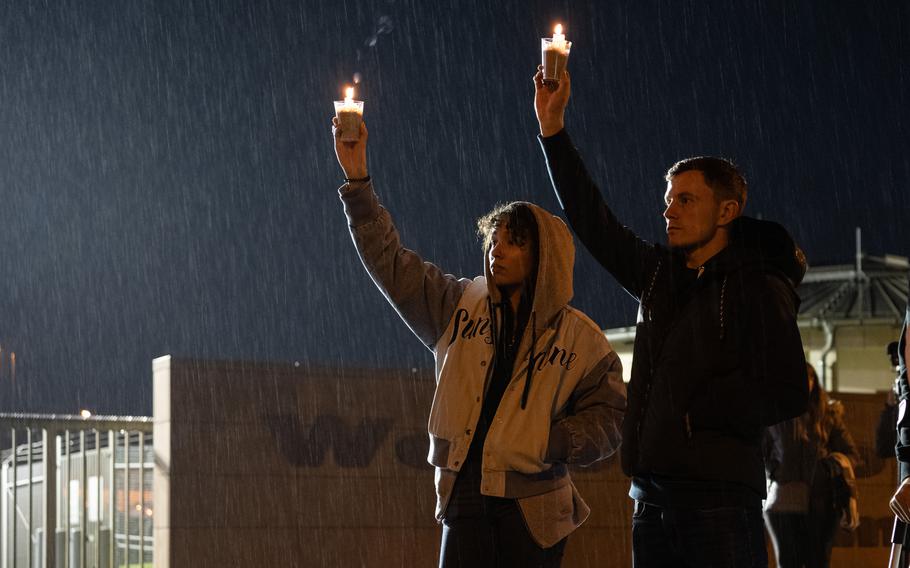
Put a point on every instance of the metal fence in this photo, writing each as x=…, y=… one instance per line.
x=76, y=491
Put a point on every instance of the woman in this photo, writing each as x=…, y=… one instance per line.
x=525, y=384
x=809, y=462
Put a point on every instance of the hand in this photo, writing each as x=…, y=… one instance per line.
x=900, y=503
x=550, y=105
x=352, y=156
x=850, y=518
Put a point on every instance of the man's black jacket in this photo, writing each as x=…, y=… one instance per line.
x=717, y=357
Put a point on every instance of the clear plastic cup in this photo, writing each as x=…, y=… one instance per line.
x=555, y=56
x=350, y=115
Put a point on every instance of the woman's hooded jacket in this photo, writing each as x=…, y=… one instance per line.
x=565, y=399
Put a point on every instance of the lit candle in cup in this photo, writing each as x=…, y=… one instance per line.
x=555, y=52
x=559, y=38
x=350, y=115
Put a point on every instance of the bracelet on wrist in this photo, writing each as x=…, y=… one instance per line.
x=349, y=180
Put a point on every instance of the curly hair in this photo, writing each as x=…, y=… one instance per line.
x=517, y=216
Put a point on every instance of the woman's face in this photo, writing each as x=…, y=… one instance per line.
x=511, y=264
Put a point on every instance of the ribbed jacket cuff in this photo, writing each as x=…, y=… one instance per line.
x=360, y=203
x=559, y=138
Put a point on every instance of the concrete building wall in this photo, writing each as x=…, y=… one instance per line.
x=862, y=363
x=277, y=465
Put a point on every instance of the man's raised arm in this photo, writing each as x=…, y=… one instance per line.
x=628, y=258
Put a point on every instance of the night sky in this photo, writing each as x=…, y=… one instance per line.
x=168, y=183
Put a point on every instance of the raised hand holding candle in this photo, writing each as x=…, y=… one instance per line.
x=350, y=115
x=555, y=52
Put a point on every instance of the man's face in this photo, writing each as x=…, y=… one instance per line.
x=510, y=263
x=692, y=211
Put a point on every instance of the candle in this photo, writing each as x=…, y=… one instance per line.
x=555, y=52
x=349, y=104
x=350, y=115
x=559, y=39
x=349, y=98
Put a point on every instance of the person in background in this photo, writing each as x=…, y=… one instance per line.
x=900, y=502
x=886, y=431
x=525, y=384
x=810, y=492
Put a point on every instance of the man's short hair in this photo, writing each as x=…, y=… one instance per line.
x=722, y=176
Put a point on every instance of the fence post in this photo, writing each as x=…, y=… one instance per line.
x=49, y=489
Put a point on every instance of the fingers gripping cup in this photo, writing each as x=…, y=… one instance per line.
x=555, y=52
x=350, y=115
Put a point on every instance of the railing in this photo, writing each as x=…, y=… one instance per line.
x=89, y=515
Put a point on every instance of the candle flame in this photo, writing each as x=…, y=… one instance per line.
x=349, y=93
x=557, y=30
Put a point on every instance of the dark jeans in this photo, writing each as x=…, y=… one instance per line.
x=802, y=540
x=480, y=531
x=725, y=537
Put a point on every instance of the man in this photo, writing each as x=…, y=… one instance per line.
x=886, y=430
x=717, y=353
x=525, y=384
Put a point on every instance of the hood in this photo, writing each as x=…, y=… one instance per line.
x=555, y=266
x=765, y=245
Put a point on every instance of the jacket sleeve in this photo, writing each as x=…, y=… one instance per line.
x=627, y=257
x=591, y=430
x=903, y=347
x=775, y=364
x=422, y=294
